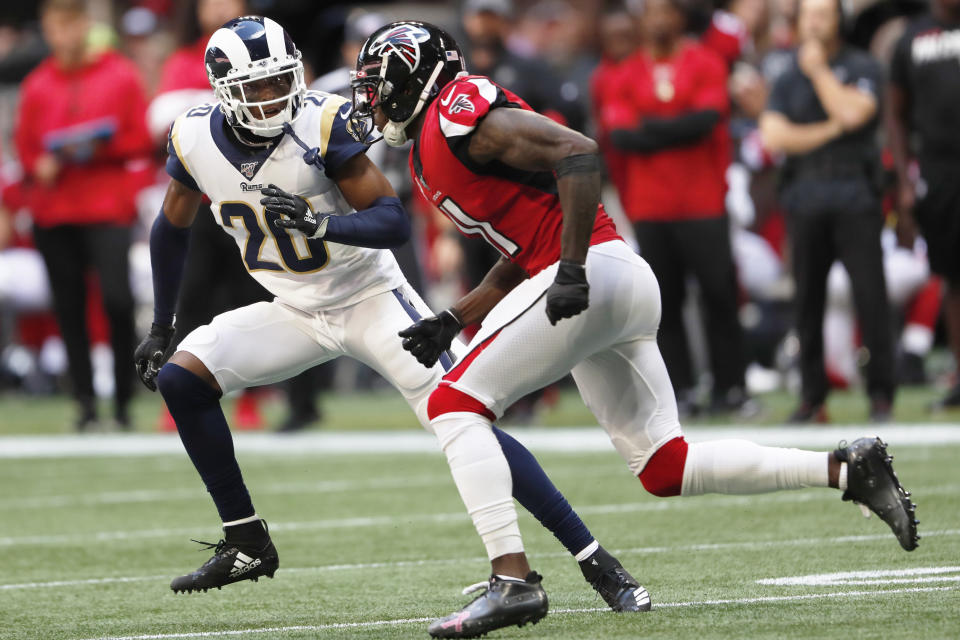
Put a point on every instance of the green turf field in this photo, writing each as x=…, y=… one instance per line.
x=372, y=546
x=386, y=409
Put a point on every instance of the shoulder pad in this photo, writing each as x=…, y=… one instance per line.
x=464, y=102
x=337, y=144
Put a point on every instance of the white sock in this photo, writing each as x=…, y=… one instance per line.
x=510, y=578
x=483, y=479
x=842, y=478
x=232, y=523
x=587, y=551
x=742, y=467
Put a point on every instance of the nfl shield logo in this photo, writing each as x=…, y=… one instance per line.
x=248, y=169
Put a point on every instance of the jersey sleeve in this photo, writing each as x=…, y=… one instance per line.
x=176, y=164
x=337, y=143
x=466, y=102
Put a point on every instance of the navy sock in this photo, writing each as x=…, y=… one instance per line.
x=195, y=407
x=534, y=491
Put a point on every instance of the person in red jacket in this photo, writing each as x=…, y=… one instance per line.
x=80, y=129
x=677, y=150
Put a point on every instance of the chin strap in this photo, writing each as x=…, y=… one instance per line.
x=395, y=133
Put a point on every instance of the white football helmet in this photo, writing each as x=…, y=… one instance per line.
x=256, y=74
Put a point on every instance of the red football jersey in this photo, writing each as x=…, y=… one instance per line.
x=516, y=211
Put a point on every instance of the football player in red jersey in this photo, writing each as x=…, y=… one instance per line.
x=567, y=295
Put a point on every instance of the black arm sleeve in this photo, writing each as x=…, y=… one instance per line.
x=657, y=134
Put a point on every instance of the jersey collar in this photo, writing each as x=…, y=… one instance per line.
x=246, y=160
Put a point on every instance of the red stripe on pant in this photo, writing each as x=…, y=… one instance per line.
x=461, y=367
x=446, y=399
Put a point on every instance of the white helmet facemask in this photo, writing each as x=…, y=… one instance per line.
x=237, y=97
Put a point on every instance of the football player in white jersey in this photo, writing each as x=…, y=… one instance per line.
x=317, y=244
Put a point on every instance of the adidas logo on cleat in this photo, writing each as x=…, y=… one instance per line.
x=242, y=564
x=642, y=598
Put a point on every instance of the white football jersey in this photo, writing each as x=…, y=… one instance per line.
x=306, y=274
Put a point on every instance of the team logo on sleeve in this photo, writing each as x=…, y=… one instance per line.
x=462, y=103
x=248, y=169
x=404, y=41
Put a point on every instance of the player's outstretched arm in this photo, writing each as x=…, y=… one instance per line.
x=168, y=252
x=532, y=142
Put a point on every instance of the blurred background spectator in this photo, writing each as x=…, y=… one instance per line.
x=922, y=109
x=822, y=115
x=672, y=91
x=80, y=130
x=670, y=120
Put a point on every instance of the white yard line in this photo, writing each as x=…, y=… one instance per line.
x=393, y=564
x=572, y=440
x=404, y=621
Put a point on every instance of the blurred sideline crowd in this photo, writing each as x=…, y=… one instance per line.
x=787, y=167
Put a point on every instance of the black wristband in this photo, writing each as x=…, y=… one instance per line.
x=454, y=315
x=570, y=272
x=580, y=163
x=161, y=330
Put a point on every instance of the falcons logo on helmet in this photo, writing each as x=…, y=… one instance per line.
x=402, y=40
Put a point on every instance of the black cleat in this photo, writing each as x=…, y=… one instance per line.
x=871, y=482
x=615, y=585
x=503, y=603
x=245, y=553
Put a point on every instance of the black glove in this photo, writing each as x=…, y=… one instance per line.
x=569, y=294
x=149, y=355
x=430, y=337
x=293, y=211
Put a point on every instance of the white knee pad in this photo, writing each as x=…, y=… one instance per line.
x=742, y=467
x=483, y=479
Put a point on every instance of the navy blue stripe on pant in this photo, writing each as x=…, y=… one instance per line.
x=446, y=358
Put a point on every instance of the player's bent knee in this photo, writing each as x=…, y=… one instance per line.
x=169, y=381
x=178, y=385
x=663, y=475
x=446, y=399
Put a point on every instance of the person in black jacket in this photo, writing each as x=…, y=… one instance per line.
x=822, y=114
x=922, y=107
